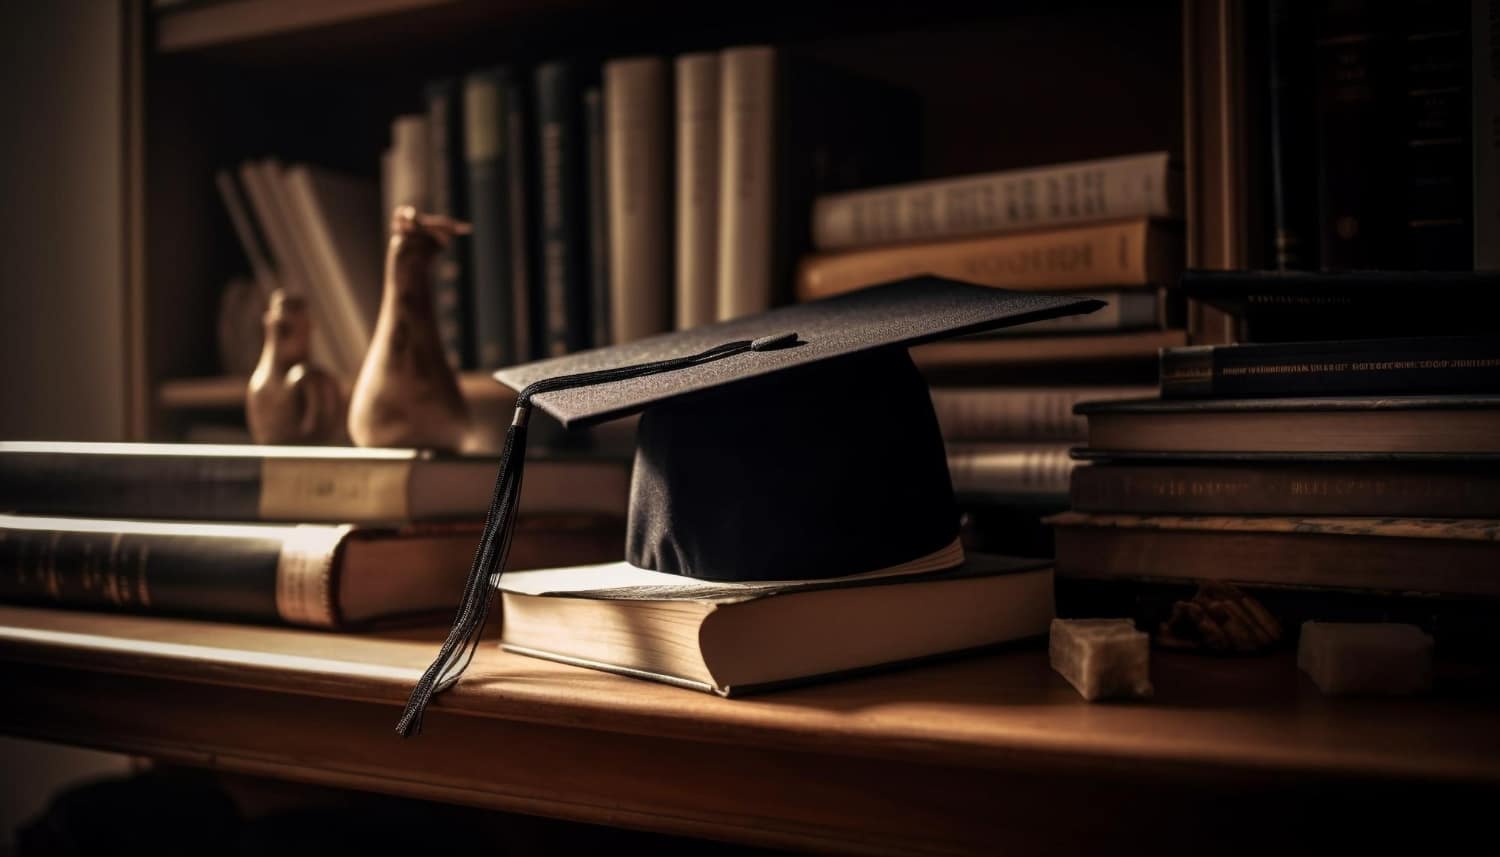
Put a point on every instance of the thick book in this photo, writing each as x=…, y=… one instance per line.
x=1331, y=485
x=1034, y=474
x=289, y=483
x=1291, y=134
x=322, y=576
x=697, y=208
x=1369, y=425
x=1124, y=253
x=791, y=128
x=1417, y=365
x=563, y=254
x=637, y=142
x=487, y=156
x=598, y=209
x=1302, y=306
x=447, y=195
x=1443, y=556
x=1130, y=186
x=734, y=638
x=1359, y=164
x=1484, y=42
x=1020, y=413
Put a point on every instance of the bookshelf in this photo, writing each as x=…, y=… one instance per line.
x=1014, y=84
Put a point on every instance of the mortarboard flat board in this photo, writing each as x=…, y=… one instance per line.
x=797, y=444
x=904, y=313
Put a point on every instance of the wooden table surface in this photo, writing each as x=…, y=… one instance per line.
x=935, y=759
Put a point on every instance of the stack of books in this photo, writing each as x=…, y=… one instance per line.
x=1356, y=476
x=313, y=536
x=1108, y=228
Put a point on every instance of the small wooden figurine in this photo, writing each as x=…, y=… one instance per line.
x=289, y=400
x=407, y=395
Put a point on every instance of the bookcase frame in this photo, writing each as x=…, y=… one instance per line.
x=177, y=254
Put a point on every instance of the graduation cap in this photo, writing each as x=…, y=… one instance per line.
x=795, y=444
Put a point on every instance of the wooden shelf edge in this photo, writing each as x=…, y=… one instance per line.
x=227, y=392
x=201, y=26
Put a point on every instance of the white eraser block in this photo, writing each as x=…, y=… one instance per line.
x=1358, y=657
x=1101, y=658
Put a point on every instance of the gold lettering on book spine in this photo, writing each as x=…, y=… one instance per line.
x=312, y=490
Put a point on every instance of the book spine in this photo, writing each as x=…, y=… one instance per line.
x=747, y=180
x=563, y=254
x=263, y=182
x=1378, y=367
x=1044, y=413
x=697, y=189
x=1356, y=202
x=445, y=130
x=525, y=314
x=267, y=574
x=486, y=154
x=229, y=488
x=1019, y=472
x=635, y=106
x=1294, y=166
x=1485, y=91
x=1139, y=186
x=1124, y=254
x=1269, y=489
x=1435, y=137
x=598, y=202
x=1320, y=552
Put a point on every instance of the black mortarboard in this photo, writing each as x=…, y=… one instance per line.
x=795, y=444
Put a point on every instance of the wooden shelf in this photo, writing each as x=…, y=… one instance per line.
x=196, y=27
x=975, y=756
x=227, y=392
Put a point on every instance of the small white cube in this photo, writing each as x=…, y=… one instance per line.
x=1374, y=657
x=1102, y=658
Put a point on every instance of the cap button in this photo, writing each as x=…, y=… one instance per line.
x=774, y=341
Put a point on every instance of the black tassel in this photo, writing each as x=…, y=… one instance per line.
x=494, y=545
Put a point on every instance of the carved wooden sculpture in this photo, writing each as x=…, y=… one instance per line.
x=407, y=394
x=289, y=400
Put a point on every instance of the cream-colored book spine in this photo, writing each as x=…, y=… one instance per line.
x=747, y=165
x=697, y=189
x=637, y=143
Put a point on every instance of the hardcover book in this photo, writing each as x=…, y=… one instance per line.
x=1375, y=426
x=1449, y=556
x=289, y=483
x=737, y=638
x=1302, y=306
x=322, y=576
x=1415, y=365
x=1444, y=487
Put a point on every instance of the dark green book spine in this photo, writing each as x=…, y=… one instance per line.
x=598, y=202
x=525, y=286
x=563, y=251
x=129, y=570
x=1357, y=367
x=486, y=156
x=447, y=196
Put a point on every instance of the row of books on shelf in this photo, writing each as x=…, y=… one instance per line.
x=656, y=193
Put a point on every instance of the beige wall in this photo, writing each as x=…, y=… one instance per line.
x=61, y=289
x=62, y=328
